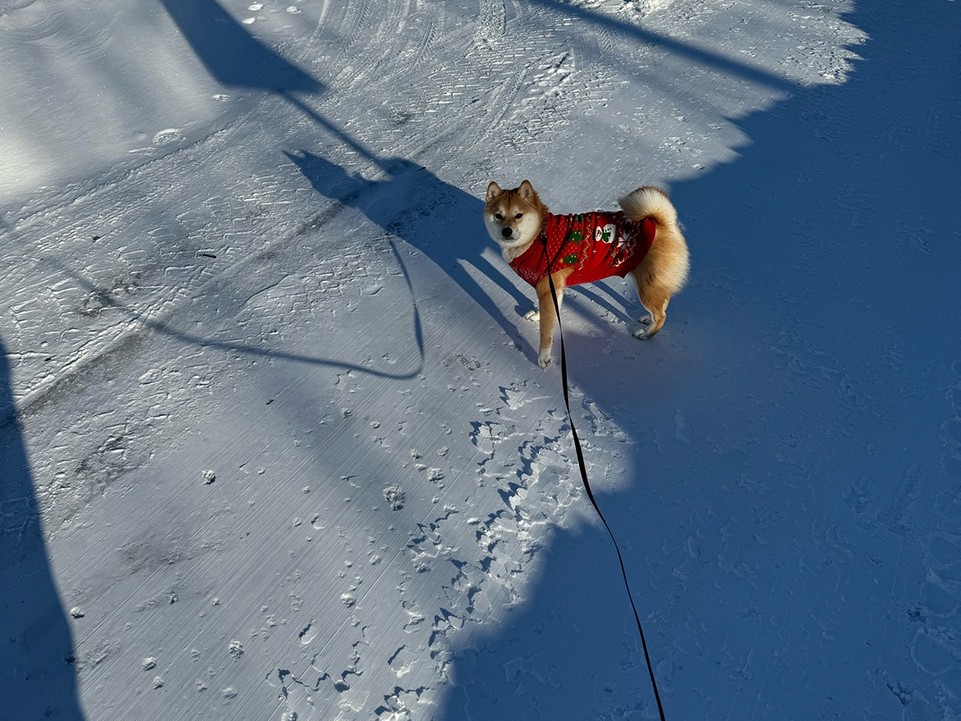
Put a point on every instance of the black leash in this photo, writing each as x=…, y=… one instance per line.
x=590, y=493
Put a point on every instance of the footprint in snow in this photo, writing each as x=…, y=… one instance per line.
x=395, y=497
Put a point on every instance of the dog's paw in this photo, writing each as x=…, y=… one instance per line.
x=544, y=359
x=532, y=315
x=646, y=319
x=643, y=333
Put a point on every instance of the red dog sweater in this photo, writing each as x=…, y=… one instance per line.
x=596, y=245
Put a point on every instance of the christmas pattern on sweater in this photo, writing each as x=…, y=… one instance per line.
x=595, y=245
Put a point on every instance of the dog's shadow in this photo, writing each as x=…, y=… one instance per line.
x=438, y=219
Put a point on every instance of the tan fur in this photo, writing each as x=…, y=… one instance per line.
x=515, y=217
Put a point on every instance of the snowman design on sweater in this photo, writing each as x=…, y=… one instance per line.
x=595, y=245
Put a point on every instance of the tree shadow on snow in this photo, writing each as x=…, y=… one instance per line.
x=552, y=655
x=775, y=538
x=408, y=202
x=633, y=34
x=37, y=672
x=792, y=473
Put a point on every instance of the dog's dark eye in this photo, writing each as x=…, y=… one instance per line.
x=518, y=216
x=498, y=216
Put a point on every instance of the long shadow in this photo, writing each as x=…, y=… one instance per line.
x=236, y=59
x=232, y=55
x=109, y=300
x=789, y=486
x=785, y=423
x=637, y=34
x=409, y=202
x=436, y=218
x=37, y=672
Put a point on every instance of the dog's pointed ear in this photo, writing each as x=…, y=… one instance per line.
x=526, y=190
x=493, y=190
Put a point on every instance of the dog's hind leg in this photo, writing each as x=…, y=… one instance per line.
x=655, y=299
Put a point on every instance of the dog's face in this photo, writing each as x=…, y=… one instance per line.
x=513, y=217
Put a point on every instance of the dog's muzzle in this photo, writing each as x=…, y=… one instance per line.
x=506, y=232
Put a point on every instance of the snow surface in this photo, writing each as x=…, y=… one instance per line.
x=274, y=444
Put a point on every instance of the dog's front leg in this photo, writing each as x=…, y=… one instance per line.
x=548, y=316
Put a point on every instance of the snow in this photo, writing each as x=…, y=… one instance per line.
x=273, y=440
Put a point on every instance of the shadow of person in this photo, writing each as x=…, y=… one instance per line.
x=438, y=219
x=232, y=55
x=37, y=677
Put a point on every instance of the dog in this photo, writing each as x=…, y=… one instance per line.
x=643, y=239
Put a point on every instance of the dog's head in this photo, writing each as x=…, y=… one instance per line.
x=513, y=217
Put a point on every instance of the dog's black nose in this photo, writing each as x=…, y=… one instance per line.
x=506, y=232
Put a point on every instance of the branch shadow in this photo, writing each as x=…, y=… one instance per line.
x=684, y=51
x=37, y=662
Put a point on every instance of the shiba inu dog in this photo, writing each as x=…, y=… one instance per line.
x=643, y=239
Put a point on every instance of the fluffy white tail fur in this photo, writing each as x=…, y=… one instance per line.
x=650, y=202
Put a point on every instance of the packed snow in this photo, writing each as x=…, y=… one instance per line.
x=274, y=444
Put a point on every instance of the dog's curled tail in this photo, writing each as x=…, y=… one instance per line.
x=650, y=202
x=666, y=265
